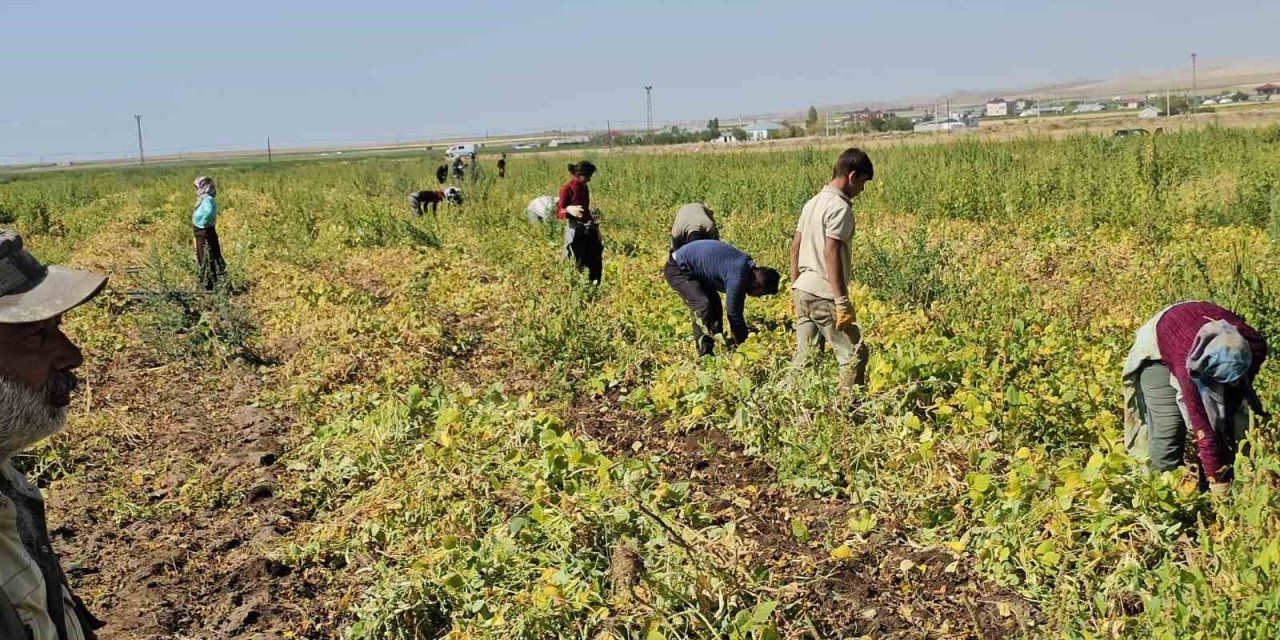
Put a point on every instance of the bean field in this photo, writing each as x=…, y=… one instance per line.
x=390, y=426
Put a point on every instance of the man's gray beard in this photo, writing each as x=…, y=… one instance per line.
x=26, y=417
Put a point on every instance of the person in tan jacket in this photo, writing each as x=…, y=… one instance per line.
x=37, y=363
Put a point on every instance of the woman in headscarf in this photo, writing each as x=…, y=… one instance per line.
x=208, y=251
x=1194, y=362
x=582, y=231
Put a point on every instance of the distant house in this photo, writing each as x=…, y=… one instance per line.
x=1128, y=103
x=762, y=130
x=864, y=116
x=1090, y=107
x=1269, y=89
x=1227, y=101
x=1149, y=112
x=997, y=108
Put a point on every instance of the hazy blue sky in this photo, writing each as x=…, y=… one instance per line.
x=231, y=73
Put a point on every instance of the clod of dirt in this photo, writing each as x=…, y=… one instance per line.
x=625, y=568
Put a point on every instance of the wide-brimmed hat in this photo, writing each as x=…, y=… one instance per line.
x=32, y=292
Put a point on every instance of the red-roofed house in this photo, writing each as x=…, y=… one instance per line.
x=1269, y=89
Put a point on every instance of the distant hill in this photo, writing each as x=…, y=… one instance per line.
x=1215, y=77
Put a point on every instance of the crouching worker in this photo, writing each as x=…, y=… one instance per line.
x=419, y=200
x=541, y=210
x=693, y=222
x=700, y=270
x=1194, y=362
x=36, y=381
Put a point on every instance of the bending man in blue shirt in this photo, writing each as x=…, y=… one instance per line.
x=700, y=270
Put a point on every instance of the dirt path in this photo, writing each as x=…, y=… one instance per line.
x=885, y=589
x=166, y=534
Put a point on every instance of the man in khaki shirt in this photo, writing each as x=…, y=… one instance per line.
x=36, y=380
x=820, y=268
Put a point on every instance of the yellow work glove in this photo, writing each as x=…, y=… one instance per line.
x=1219, y=490
x=845, y=318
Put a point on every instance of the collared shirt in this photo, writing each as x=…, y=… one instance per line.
x=826, y=215
x=720, y=267
x=22, y=579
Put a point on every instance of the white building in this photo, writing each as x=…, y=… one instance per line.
x=1090, y=107
x=762, y=130
x=1149, y=112
x=1129, y=103
x=997, y=108
x=939, y=125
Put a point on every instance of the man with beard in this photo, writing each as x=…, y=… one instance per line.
x=36, y=380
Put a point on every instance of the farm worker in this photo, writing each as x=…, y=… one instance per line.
x=582, y=230
x=36, y=380
x=820, y=269
x=700, y=270
x=419, y=199
x=442, y=173
x=475, y=167
x=211, y=267
x=502, y=166
x=457, y=168
x=693, y=222
x=541, y=209
x=1194, y=362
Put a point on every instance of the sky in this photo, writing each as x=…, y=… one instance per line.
x=230, y=74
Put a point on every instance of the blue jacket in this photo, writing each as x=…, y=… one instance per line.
x=719, y=266
x=206, y=213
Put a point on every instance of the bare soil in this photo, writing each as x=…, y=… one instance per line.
x=164, y=521
x=887, y=589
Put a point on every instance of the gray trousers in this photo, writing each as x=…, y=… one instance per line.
x=1166, y=428
x=815, y=324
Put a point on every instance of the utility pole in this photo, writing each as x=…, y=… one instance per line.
x=648, y=101
x=608, y=124
x=268, y=150
x=1194, y=88
x=141, y=160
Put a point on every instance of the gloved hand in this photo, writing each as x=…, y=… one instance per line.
x=845, y=318
x=574, y=211
x=1219, y=490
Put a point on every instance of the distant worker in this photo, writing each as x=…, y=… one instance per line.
x=699, y=271
x=442, y=173
x=418, y=200
x=37, y=364
x=457, y=169
x=541, y=210
x=475, y=167
x=693, y=222
x=821, y=269
x=582, y=230
x=502, y=166
x=1193, y=362
x=211, y=268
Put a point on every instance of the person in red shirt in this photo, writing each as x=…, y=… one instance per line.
x=1192, y=368
x=582, y=231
